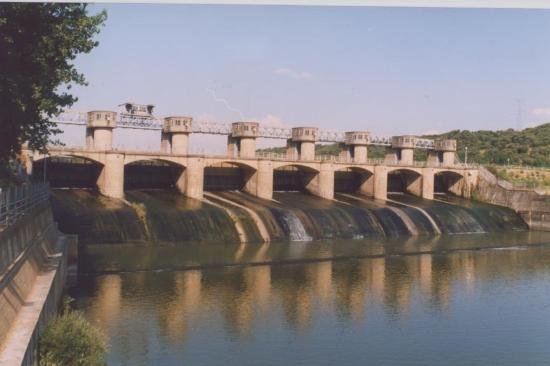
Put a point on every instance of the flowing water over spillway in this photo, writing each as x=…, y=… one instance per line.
x=160, y=216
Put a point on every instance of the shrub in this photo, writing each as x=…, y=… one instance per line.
x=71, y=340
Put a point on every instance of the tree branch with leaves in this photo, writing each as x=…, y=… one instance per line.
x=38, y=44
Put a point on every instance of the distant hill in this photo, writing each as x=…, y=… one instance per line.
x=530, y=146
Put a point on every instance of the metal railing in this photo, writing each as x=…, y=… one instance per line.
x=221, y=128
x=281, y=157
x=17, y=201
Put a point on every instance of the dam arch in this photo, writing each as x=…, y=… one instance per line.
x=448, y=181
x=293, y=177
x=405, y=180
x=152, y=173
x=67, y=171
x=353, y=179
x=227, y=175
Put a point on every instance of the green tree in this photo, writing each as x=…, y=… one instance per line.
x=38, y=43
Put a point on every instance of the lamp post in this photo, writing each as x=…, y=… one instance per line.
x=466, y=155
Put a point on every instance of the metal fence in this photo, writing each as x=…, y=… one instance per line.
x=17, y=201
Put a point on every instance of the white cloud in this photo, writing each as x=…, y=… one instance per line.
x=272, y=121
x=298, y=75
x=540, y=111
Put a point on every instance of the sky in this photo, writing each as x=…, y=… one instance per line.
x=390, y=71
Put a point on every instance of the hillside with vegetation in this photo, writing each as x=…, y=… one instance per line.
x=530, y=146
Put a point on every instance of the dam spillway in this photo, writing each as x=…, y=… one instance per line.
x=164, y=216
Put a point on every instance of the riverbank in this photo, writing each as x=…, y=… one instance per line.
x=33, y=270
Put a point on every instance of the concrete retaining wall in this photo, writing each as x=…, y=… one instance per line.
x=34, y=269
x=533, y=207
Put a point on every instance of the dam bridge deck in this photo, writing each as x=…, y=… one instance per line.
x=316, y=176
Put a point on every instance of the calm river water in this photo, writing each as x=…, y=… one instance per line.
x=452, y=300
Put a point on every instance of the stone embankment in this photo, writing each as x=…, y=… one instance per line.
x=33, y=271
x=533, y=206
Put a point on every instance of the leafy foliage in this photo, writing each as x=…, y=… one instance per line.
x=71, y=340
x=530, y=146
x=38, y=41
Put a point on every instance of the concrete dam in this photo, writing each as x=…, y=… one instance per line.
x=105, y=211
x=109, y=196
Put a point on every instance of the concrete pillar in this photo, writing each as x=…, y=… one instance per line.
x=165, y=143
x=380, y=182
x=448, y=158
x=433, y=158
x=179, y=143
x=360, y=154
x=111, y=179
x=428, y=177
x=391, y=156
x=100, y=125
x=232, y=149
x=326, y=181
x=194, y=178
x=448, y=147
x=247, y=147
x=89, y=138
x=103, y=138
x=358, y=142
x=305, y=138
x=244, y=136
x=407, y=157
x=307, y=150
x=367, y=186
x=471, y=178
x=345, y=153
x=414, y=184
x=405, y=144
x=175, y=135
x=261, y=182
x=323, y=184
x=291, y=150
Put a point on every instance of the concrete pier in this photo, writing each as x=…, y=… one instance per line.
x=194, y=178
x=356, y=144
x=303, y=139
x=404, y=146
x=175, y=135
x=111, y=179
x=242, y=141
x=447, y=148
x=99, y=130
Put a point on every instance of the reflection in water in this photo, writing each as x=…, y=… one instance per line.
x=471, y=307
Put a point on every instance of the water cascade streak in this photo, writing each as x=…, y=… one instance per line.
x=464, y=216
x=403, y=221
x=296, y=229
x=426, y=214
x=492, y=217
x=333, y=219
x=255, y=217
x=149, y=216
x=243, y=238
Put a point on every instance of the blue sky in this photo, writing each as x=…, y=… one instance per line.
x=387, y=70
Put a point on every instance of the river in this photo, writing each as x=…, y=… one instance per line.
x=480, y=299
